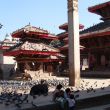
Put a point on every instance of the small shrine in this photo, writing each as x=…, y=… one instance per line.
x=6, y=62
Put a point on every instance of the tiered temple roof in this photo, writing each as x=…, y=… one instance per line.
x=97, y=37
x=102, y=9
x=33, y=45
x=6, y=44
x=99, y=29
x=33, y=32
x=63, y=37
x=66, y=46
x=65, y=26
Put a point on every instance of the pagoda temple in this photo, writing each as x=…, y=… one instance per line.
x=94, y=41
x=63, y=38
x=34, y=53
x=6, y=62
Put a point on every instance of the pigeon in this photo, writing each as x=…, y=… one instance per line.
x=34, y=105
x=102, y=88
x=76, y=91
x=18, y=105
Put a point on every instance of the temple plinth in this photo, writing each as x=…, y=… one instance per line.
x=74, y=50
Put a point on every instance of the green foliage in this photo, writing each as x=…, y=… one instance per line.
x=55, y=43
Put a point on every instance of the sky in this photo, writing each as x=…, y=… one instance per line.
x=46, y=14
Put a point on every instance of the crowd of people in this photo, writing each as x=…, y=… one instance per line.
x=65, y=98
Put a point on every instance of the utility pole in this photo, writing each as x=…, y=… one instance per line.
x=74, y=45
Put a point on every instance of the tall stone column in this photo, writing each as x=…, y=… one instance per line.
x=74, y=45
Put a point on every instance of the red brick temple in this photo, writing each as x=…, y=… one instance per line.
x=63, y=38
x=33, y=51
x=94, y=41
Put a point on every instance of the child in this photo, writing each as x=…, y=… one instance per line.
x=61, y=100
x=67, y=93
x=56, y=91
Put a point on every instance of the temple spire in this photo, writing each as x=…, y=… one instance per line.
x=29, y=23
x=6, y=36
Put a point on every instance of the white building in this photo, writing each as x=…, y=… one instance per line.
x=6, y=62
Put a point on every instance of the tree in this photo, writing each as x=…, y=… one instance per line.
x=56, y=43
